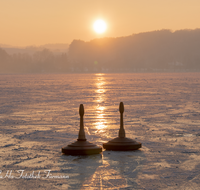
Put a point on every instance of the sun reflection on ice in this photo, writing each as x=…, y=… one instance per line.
x=100, y=91
x=100, y=84
x=100, y=123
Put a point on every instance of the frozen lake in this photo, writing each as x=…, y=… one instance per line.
x=39, y=115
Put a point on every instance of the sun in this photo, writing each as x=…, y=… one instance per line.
x=99, y=26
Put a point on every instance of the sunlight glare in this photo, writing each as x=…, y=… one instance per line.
x=100, y=26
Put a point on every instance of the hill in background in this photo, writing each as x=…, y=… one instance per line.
x=156, y=51
x=162, y=50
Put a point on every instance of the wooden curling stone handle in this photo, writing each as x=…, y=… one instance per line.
x=121, y=130
x=81, y=110
x=121, y=107
x=81, y=135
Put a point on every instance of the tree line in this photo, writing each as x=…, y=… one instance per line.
x=44, y=61
x=162, y=50
x=154, y=51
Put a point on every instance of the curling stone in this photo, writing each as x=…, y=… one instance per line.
x=81, y=146
x=121, y=142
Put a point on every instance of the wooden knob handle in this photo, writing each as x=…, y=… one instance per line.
x=81, y=135
x=81, y=110
x=121, y=107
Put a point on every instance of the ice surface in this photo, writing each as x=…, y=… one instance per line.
x=39, y=115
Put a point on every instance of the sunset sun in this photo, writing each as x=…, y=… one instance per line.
x=99, y=26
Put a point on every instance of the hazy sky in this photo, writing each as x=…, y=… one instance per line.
x=38, y=22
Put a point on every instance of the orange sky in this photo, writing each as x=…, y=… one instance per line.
x=38, y=22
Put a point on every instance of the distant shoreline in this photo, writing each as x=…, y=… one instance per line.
x=109, y=72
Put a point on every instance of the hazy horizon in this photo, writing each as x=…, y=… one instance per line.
x=155, y=51
x=67, y=44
